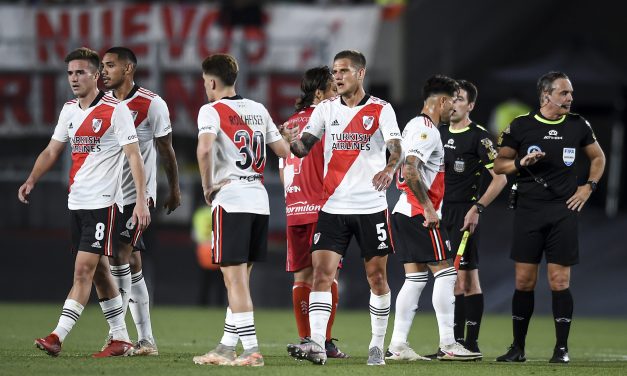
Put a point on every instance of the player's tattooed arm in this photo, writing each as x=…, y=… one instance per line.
x=301, y=147
x=383, y=179
x=419, y=189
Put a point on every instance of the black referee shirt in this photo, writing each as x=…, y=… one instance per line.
x=561, y=140
x=466, y=152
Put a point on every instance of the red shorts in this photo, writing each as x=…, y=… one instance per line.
x=298, y=246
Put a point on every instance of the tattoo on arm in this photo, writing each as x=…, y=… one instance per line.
x=394, y=146
x=301, y=147
x=168, y=160
x=414, y=181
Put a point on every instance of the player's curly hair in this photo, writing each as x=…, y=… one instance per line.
x=223, y=66
x=439, y=84
x=86, y=54
x=318, y=78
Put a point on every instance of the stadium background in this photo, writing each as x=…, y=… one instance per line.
x=501, y=46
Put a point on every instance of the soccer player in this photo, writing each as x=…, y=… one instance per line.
x=419, y=242
x=357, y=128
x=232, y=137
x=152, y=124
x=542, y=148
x=468, y=149
x=99, y=128
x=302, y=178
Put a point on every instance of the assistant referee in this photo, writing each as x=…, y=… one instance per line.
x=543, y=147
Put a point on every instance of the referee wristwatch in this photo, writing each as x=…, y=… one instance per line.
x=480, y=208
x=593, y=185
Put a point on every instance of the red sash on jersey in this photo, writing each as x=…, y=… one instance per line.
x=342, y=160
x=230, y=129
x=99, y=119
x=139, y=109
x=435, y=192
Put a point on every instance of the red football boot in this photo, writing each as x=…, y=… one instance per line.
x=50, y=344
x=115, y=348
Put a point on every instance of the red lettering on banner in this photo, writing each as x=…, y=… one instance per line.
x=283, y=90
x=46, y=34
x=49, y=102
x=14, y=90
x=204, y=36
x=84, y=19
x=177, y=95
x=107, y=26
x=255, y=37
x=132, y=26
x=176, y=38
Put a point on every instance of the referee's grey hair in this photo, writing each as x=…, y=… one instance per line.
x=545, y=83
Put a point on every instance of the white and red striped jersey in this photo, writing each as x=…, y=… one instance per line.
x=354, y=152
x=152, y=120
x=302, y=178
x=421, y=139
x=243, y=128
x=96, y=135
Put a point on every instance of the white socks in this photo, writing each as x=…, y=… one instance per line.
x=245, y=323
x=319, y=313
x=114, y=314
x=139, y=304
x=122, y=276
x=444, y=304
x=69, y=315
x=230, y=337
x=407, y=305
x=379, y=314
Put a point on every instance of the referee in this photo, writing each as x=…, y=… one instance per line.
x=542, y=148
x=468, y=150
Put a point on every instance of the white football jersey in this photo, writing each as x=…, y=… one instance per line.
x=152, y=120
x=354, y=152
x=421, y=139
x=96, y=135
x=243, y=128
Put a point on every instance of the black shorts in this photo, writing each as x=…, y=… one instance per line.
x=453, y=219
x=549, y=228
x=415, y=243
x=372, y=231
x=92, y=230
x=238, y=238
x=129, y=233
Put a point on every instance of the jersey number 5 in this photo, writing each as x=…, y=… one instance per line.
x=253, y=154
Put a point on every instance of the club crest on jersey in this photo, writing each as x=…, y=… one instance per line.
x=568, y=156
x=459, y=165
x=134, y=114
x=96, y=124
x=368, y=122
x=533, y=149
x=316, y=237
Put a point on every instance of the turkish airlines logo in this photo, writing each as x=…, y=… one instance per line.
x=368, y=122
x=96, y=124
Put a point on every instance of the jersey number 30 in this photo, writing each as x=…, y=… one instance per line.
x=252, y=151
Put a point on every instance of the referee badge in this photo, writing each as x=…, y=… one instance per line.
x=459, y=166
x=568, y=156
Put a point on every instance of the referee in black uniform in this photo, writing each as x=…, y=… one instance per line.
x=469, y=149
x=542, y=148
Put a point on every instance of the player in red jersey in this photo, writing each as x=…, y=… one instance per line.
x=302, y=179
x=99, y=128
x=154, y=132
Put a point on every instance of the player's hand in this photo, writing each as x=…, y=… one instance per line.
x=431, y=219
x=24, y=191
x=532, y=158
x=290, y=134
x=141, y=215
x=577, y=201
x=173, y=201
x=210, y=194
x=471, y=220
x=382, y=180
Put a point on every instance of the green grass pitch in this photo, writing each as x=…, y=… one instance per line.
x=597, y=346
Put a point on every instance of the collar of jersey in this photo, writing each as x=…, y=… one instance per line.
x=233, y=98
x=361, y=102
x=132, y=92
x=544, y=120
x=450, y=129
x=95, y=101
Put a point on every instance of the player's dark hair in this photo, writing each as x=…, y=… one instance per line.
x=86, y=54
x=357, y=59
x=318, y=78
x=470, y=89
x=123, y=53
x=545, y=83
x=439, y=84
x=223, y=66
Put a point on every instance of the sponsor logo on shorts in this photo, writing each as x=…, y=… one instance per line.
x=316, y=237
x=568, y=156
x=302, y=207
x=125, y=233
x=96, y=244
x=382, y=246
